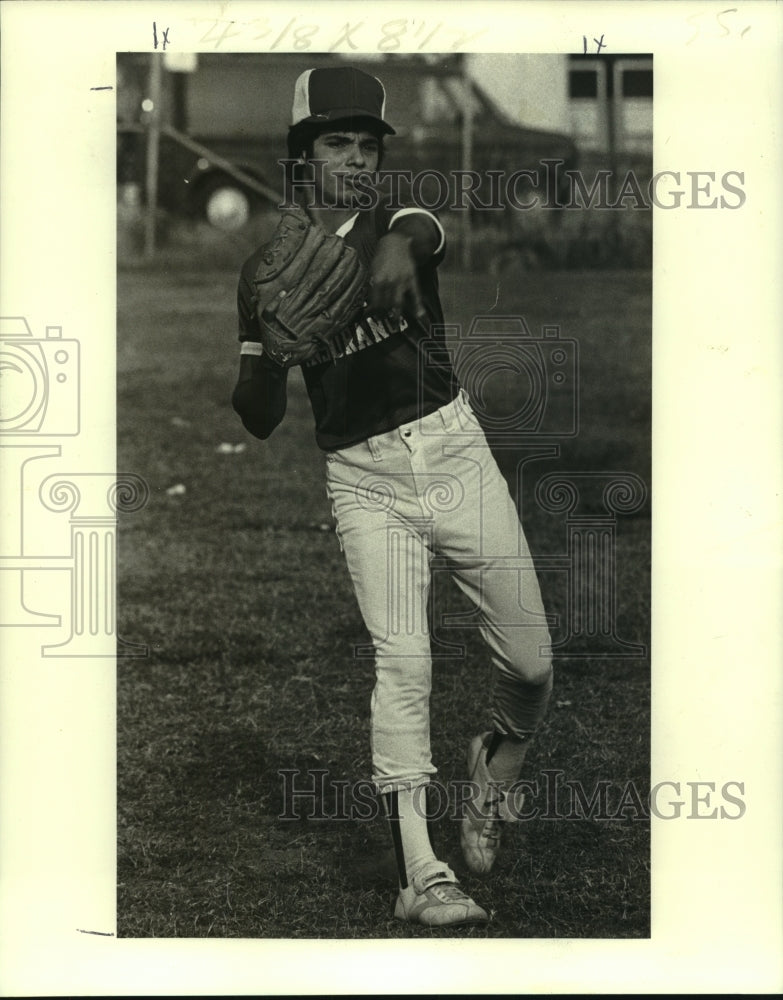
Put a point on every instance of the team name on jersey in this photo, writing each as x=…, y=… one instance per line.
x=368, y=331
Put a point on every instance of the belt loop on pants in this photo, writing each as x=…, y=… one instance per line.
x=374, y=449
x=449, y=414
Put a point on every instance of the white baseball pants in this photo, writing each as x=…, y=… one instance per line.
x=429, y=495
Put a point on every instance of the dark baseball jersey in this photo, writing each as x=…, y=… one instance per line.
x=387, y=371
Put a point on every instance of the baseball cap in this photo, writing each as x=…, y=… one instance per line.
x=334, y=93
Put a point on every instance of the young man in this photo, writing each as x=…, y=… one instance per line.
x=410, y=477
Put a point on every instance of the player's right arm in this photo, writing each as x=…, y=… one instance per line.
x=260, y=395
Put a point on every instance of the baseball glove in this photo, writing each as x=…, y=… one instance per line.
x=309, y=285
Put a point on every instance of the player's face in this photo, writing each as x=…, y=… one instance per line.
x=346, y=154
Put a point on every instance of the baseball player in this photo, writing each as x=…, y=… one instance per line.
x=408, y=472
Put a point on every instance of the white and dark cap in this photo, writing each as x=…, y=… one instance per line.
x=336, y=93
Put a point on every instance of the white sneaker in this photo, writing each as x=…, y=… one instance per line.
x=434, y=898
x=482, y=824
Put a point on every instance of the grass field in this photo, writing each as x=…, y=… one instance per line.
x=235, y=582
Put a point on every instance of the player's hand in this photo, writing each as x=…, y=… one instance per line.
x=394, y=285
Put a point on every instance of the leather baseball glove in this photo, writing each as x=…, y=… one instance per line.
x=309, y=285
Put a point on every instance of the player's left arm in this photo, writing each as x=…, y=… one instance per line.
x=413, y=239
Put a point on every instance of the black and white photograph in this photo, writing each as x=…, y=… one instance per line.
x=394, y=569
x=389, y=561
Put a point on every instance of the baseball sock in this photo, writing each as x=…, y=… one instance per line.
x=410, y=831
x=505, y=756
x=506, y=753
